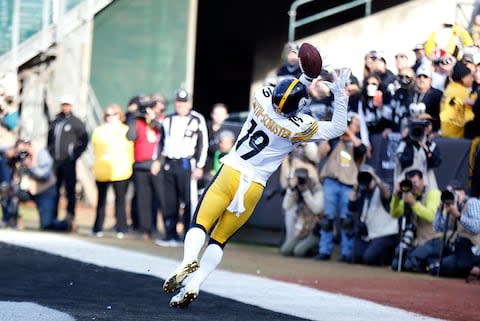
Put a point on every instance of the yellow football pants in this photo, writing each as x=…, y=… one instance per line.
x=213, y=206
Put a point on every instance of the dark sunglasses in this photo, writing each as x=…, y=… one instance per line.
x=110, y=115
x=422, y=76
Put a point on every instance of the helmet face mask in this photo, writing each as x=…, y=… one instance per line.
x=289, y=97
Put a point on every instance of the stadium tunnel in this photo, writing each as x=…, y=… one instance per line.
x=239, y=42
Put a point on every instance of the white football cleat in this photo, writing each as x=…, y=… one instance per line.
x=183, y=298
x=174, y=282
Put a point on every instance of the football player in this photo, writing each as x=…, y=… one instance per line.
x=275, y=125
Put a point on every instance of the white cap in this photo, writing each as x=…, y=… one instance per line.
x=66, y=99
x=424, y=69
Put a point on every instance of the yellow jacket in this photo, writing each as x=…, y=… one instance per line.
x=454, y=112
x=113, y=153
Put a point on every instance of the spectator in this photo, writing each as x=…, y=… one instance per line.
x=418, y=151
x=372, y=106
x=420, y=57
x=303, y=156
x=442, y=69
x=457, y=101
x=398, y=107
x=416, y=204
x=146, y=131
x=35, y=178
x=8, y=126
x=185, y=149
x=466, y=213
x=401, y=61
x=375, y=230
x=132, y=109
x=339, y=175
x=425, y=94
x=369, y=63
x=321, y=104
x=303, y=203
x=291, y=67
x=387, y=77
x=67, y=140
x=112, y=167
x=226, y=140
x=218, y=115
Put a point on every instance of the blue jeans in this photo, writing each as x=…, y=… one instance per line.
x=335, y=206
x=46, y=204
x=378, y=251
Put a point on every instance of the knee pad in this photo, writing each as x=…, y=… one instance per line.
x=326, y=224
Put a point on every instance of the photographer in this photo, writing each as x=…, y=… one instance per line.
x=375, y=229
x=465, y=211
x=302, y=203
x=418, y=151
x=416, y=204
x=8, y=125
x=34, y=179
x=145, y=130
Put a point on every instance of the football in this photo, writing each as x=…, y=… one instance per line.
x=310, y=60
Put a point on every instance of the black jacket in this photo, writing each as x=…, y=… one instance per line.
x=67, y=137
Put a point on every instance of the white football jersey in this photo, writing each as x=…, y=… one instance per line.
x=267, y=137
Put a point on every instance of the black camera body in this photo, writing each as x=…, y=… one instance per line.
x=143, y=104
x=301, y=174
x=21, y=155
x=448, y=197
x=416, y=129
x=406, y=186
x=364, y=179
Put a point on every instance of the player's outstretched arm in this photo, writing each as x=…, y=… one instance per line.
x=338, y=124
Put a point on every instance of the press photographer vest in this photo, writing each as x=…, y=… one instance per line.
x=425, y=231
x=341, y=164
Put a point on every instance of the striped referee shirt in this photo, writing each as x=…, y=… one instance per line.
x=186, y=137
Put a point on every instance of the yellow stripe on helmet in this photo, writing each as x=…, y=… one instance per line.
x=285, y=95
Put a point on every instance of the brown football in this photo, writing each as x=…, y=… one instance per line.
x=310, y=60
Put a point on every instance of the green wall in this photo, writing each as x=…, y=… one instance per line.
x=139, y=47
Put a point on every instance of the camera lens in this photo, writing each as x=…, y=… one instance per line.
x=406, y=186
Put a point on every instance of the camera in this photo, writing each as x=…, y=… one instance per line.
x=301, y=174
x=21, y=155
x=416, y=129
x=143, y=104
x=406, y=186
x=408, y=236
x=364, y=179
x=448, y=197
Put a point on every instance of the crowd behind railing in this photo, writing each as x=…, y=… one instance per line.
x=391, y=214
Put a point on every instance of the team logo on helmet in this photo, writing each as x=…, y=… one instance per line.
x=289, y=96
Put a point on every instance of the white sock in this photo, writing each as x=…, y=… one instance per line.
x=211, y=258
x=194, y=240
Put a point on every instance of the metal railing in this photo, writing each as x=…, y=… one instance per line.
x=321, y=15
x=50, y=34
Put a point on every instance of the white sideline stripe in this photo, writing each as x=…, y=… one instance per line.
x=23, y=311
x=284, y=297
